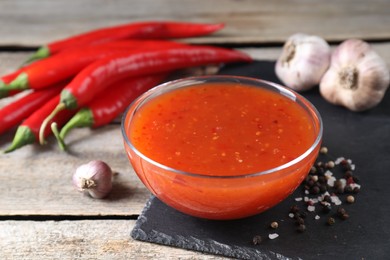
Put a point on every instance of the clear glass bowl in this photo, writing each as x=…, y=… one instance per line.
x=221, y=197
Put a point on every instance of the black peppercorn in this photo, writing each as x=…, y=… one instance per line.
x=294, y=209
x=327, y=198
x=300, y=221
x=322, y=179
x=356, y=179
x=348, y=189
x=257, y=240
x=315, y=190
x=356, y=190
x=326, y=208
x=341, y=212
x=301, y=228
x=348, y=174
x=331, y=221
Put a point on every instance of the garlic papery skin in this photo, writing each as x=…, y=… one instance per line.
x=303, y=61
x=94, y=178
x=357, y=77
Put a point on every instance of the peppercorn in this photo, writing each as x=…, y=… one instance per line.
x=346, y=166
x=274, y=225
x=327, y=198
x=322, y=179
x=330, y=165
x=294, y=209
x=341, y=211
x=300, y=221
x=257, y=240
x=356, y=179
x=348, y=189
x=331, y=221
x=313, y=170
x=344, y=216
x=356, y=190
x=324, y=150
x=350, y=199
x=301, y=228
x=326, y=208
x=348, y=174
x=323, y=188
x=315, y=190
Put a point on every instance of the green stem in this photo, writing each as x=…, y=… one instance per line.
x=83, y=118
x=41, y=53
x=23, y=136
x=20, y=82
x=3, y=92
x=61, y=143
x=58, y=108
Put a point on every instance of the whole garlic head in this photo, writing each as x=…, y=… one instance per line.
x=303, y=61
x=94, y=178
x=357, y=77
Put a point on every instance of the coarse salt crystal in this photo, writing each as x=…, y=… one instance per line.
x=298, y=199
x=307, y=192
x=339, y=160
x=336, y=200
x=331, y=181
x=291, y=215
x=311, y=208
x=317, y=217
x=273, y=235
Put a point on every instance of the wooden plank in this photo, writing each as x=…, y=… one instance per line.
x=85, y=239
x=33, y=23
x=36, y=180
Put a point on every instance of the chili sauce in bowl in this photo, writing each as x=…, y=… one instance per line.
x=221, y=147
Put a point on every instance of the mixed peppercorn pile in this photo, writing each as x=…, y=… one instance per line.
x=329, y=184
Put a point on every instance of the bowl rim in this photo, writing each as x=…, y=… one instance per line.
x=289, y=93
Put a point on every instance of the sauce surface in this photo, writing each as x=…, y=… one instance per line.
x=221, y=129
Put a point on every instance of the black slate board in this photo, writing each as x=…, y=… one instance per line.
x=363, y=137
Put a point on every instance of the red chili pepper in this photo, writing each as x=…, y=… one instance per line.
x=46, y=72
x=107, y=106
x=144, y=30
x=15, y=112
x=28, y=131
x=97, y=76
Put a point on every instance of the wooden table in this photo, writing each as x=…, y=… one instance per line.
x=42, y=216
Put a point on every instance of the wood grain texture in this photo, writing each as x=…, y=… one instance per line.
x=36, y=180
x=33, y=23
x=85, y=239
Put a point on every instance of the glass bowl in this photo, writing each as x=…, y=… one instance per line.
x=222, y=196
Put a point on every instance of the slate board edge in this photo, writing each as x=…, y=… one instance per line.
x=195, y=244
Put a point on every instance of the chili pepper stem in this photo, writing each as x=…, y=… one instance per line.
x=61, y=143
x=83, y=118
x=41, y=53
x=20, y=82
x=3, y=92
x=58, y=108
x=23, y=136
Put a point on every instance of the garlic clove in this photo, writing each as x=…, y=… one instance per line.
x=357, y=78
x=94, y=178
x=303, y=61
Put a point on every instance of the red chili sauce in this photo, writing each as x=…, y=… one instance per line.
x=222, y=129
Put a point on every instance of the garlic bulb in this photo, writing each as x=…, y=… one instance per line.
x=95, y=178
x=303, y=61
x=357, y=77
